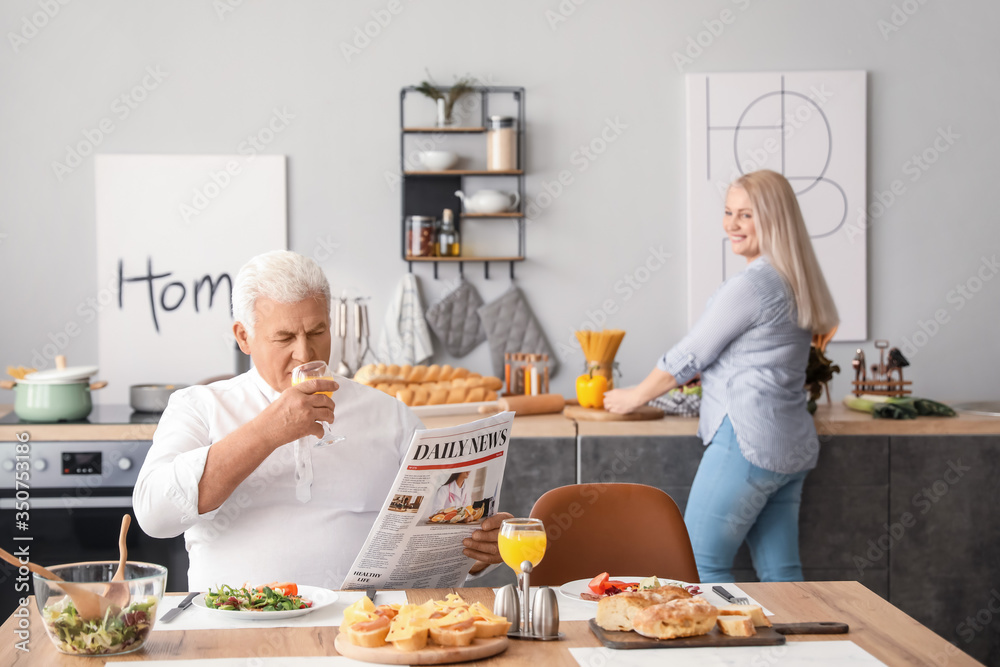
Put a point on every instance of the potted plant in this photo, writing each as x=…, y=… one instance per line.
x=446, y=97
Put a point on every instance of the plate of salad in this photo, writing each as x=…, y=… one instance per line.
x=604, y=585
x=270, y=601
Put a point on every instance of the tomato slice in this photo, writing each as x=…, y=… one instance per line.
x=599, y=583
x=618, y=584
x=284, y=587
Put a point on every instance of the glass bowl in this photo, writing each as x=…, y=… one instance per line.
x=121, y=629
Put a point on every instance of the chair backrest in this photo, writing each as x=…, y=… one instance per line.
x=623, y=529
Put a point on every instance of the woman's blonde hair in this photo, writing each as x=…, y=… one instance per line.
x=785, y=240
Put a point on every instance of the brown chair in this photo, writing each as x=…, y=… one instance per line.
x=623, y=529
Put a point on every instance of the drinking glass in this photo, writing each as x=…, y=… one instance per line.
x=318, y=370
x=522, y=540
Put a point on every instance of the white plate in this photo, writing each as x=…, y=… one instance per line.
x=321, y=597
x=573, y=589
x=451, y=409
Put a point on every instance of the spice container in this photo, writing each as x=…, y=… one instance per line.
x=420, y=235
x=501, y=144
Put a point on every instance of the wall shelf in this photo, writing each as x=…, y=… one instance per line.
x=435, y=130
x=428, y=193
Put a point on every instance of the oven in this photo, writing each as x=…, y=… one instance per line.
x=76, y=494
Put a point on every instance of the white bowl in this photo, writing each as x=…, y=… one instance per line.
x=438, y=160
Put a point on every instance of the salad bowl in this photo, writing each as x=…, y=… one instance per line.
x=121, y=629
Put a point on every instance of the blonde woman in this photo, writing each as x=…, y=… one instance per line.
x=751, y=347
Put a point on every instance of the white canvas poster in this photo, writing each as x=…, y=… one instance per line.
x=172, y=232
x=808, y=126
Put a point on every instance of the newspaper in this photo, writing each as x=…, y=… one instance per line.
x=449, y=482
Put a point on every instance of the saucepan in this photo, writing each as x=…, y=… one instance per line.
x=151, y=397
x=59, y=394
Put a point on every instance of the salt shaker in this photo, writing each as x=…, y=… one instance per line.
x=506, y=604
x=545, y=614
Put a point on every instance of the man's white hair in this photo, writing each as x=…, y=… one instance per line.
x=280, y=275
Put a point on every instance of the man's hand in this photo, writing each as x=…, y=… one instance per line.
x=294, y=413
x=482, y=544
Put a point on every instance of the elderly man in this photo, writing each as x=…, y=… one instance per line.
x=234, y=464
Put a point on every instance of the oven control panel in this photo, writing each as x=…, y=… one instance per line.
x=96, y=464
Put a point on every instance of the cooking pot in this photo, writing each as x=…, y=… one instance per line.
x=61, y=394
x=151, y=397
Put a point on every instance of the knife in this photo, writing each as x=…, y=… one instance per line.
x=185, y=603
x=370, y=592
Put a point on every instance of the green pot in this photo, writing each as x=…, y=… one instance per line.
x=52, y=402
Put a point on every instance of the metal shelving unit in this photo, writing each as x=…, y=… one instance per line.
x=430, y=192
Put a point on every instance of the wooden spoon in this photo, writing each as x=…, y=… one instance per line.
x=88, y=604
x=118, y=593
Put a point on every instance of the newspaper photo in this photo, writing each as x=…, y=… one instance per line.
x=448, y=483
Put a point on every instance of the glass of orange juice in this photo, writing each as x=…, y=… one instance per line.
x=318, y=370
x=522, y=540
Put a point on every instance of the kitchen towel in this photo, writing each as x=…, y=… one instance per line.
x=511, y=327
x=405, y=338
x=455, y=322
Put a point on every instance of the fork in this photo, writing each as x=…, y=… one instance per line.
x=729, y=596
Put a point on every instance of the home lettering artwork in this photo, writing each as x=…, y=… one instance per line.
x=170, y=291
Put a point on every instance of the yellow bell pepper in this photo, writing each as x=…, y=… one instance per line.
x=590, y=390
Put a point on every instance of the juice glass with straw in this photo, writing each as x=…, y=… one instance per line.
x=522, y=540
x=317, y=370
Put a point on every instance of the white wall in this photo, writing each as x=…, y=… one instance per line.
x=225, y=74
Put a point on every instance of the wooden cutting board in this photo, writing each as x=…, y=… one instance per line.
x=430, y=655
x=772, y=636
x=595, y=415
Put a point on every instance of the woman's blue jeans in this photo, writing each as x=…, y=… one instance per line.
x=733, y=500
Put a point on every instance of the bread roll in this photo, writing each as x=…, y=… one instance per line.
x=370, y=634
x=421, y=396
x=414, y=642
x=682, y=617
x=459, y=634
x=407, y=396
x=755, y=613
x=492, y=383
x=486, y=629
x=615, y=612
x=736, y=625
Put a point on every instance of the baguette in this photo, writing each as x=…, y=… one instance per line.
x=433, y=373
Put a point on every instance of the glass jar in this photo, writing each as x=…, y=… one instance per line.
x=420, y=235
x=501, y=144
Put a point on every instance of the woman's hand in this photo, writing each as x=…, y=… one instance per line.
x=622, y=401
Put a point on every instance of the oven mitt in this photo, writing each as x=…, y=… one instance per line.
x=510, y=327
x=455, y=321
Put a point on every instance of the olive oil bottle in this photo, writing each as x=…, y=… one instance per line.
x=448, y=242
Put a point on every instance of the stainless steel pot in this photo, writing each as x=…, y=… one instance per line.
x=151, y=397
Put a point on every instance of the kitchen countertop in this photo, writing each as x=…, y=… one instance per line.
x=830, y=420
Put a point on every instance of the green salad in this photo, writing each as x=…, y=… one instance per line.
x=263, y=598
x=113, y=633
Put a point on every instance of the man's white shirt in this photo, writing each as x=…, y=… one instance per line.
x=302, y=515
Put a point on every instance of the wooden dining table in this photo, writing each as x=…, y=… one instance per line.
x=875, y=625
